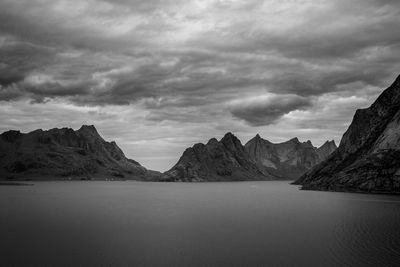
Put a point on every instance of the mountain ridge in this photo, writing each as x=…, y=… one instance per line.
x=207, y=162
x=368, y=157
x=63, y=153
x=224, y=160
x=289, y=159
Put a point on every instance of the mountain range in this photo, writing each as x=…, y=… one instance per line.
x=66, y=154
x=287, y=160
x=368, y=157
x=84, y=154
x=258, y=159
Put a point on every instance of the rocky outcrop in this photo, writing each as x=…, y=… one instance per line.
x=287, y=160
x=368, y=157
x=66, y=154
x=224, y=160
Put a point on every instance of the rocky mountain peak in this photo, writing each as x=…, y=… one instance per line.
x=224, y=160
x=367, y=158
x=231, y=142
x=65, y=154
x=88, y=129
x=229, y=136
x=287, y=160
x=212, y=142
x=329, y=144
x=308, y=144
x=256, y=140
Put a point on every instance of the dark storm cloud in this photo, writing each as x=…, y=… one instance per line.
x=171, y=56
x=264, y=110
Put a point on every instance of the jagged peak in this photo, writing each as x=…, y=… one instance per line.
x=88, y=128
x=328, y=143
x=212, y=141
x=230, y=139
x=295, y=140
x=332, y=143
x=255, y=139
x=229, y=135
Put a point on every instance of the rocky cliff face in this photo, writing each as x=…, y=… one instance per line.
x=224, y=160
x=368, y=157
x=66, y=154
x=288, y=160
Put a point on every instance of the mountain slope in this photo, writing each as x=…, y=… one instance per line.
x=368, y=157
x=66, y=154
x=224, y=160
x=287, y=160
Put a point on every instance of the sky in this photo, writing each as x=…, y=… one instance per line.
x=158, y=76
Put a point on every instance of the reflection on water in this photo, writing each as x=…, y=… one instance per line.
x=204, y=224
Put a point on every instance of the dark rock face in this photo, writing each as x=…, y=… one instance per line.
x=368, y=157
x=224, y=160
x=65, y=154
x=288, y=160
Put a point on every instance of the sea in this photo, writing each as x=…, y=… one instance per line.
x=128, y=223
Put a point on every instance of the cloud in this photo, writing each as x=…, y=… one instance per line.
x=177, y=48
x=267, y=109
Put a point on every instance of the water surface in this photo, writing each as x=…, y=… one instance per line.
x=195, y=224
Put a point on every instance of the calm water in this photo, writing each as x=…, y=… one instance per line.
x=204, y=224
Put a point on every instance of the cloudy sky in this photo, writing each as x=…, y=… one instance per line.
x=157, y=76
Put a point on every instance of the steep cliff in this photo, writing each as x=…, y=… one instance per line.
x=368, y=157
x=65, y=154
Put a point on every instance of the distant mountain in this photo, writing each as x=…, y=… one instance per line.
x=368, y=157
x=326, y=150
x=288, y=160
x=259, y=159
x=224, y=160
x=66, y=154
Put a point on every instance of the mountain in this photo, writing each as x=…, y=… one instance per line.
x=368, y=157
x=287, y=160
x=326, y=150
x=224, y=160
x=259, y=159
x=65, y=154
